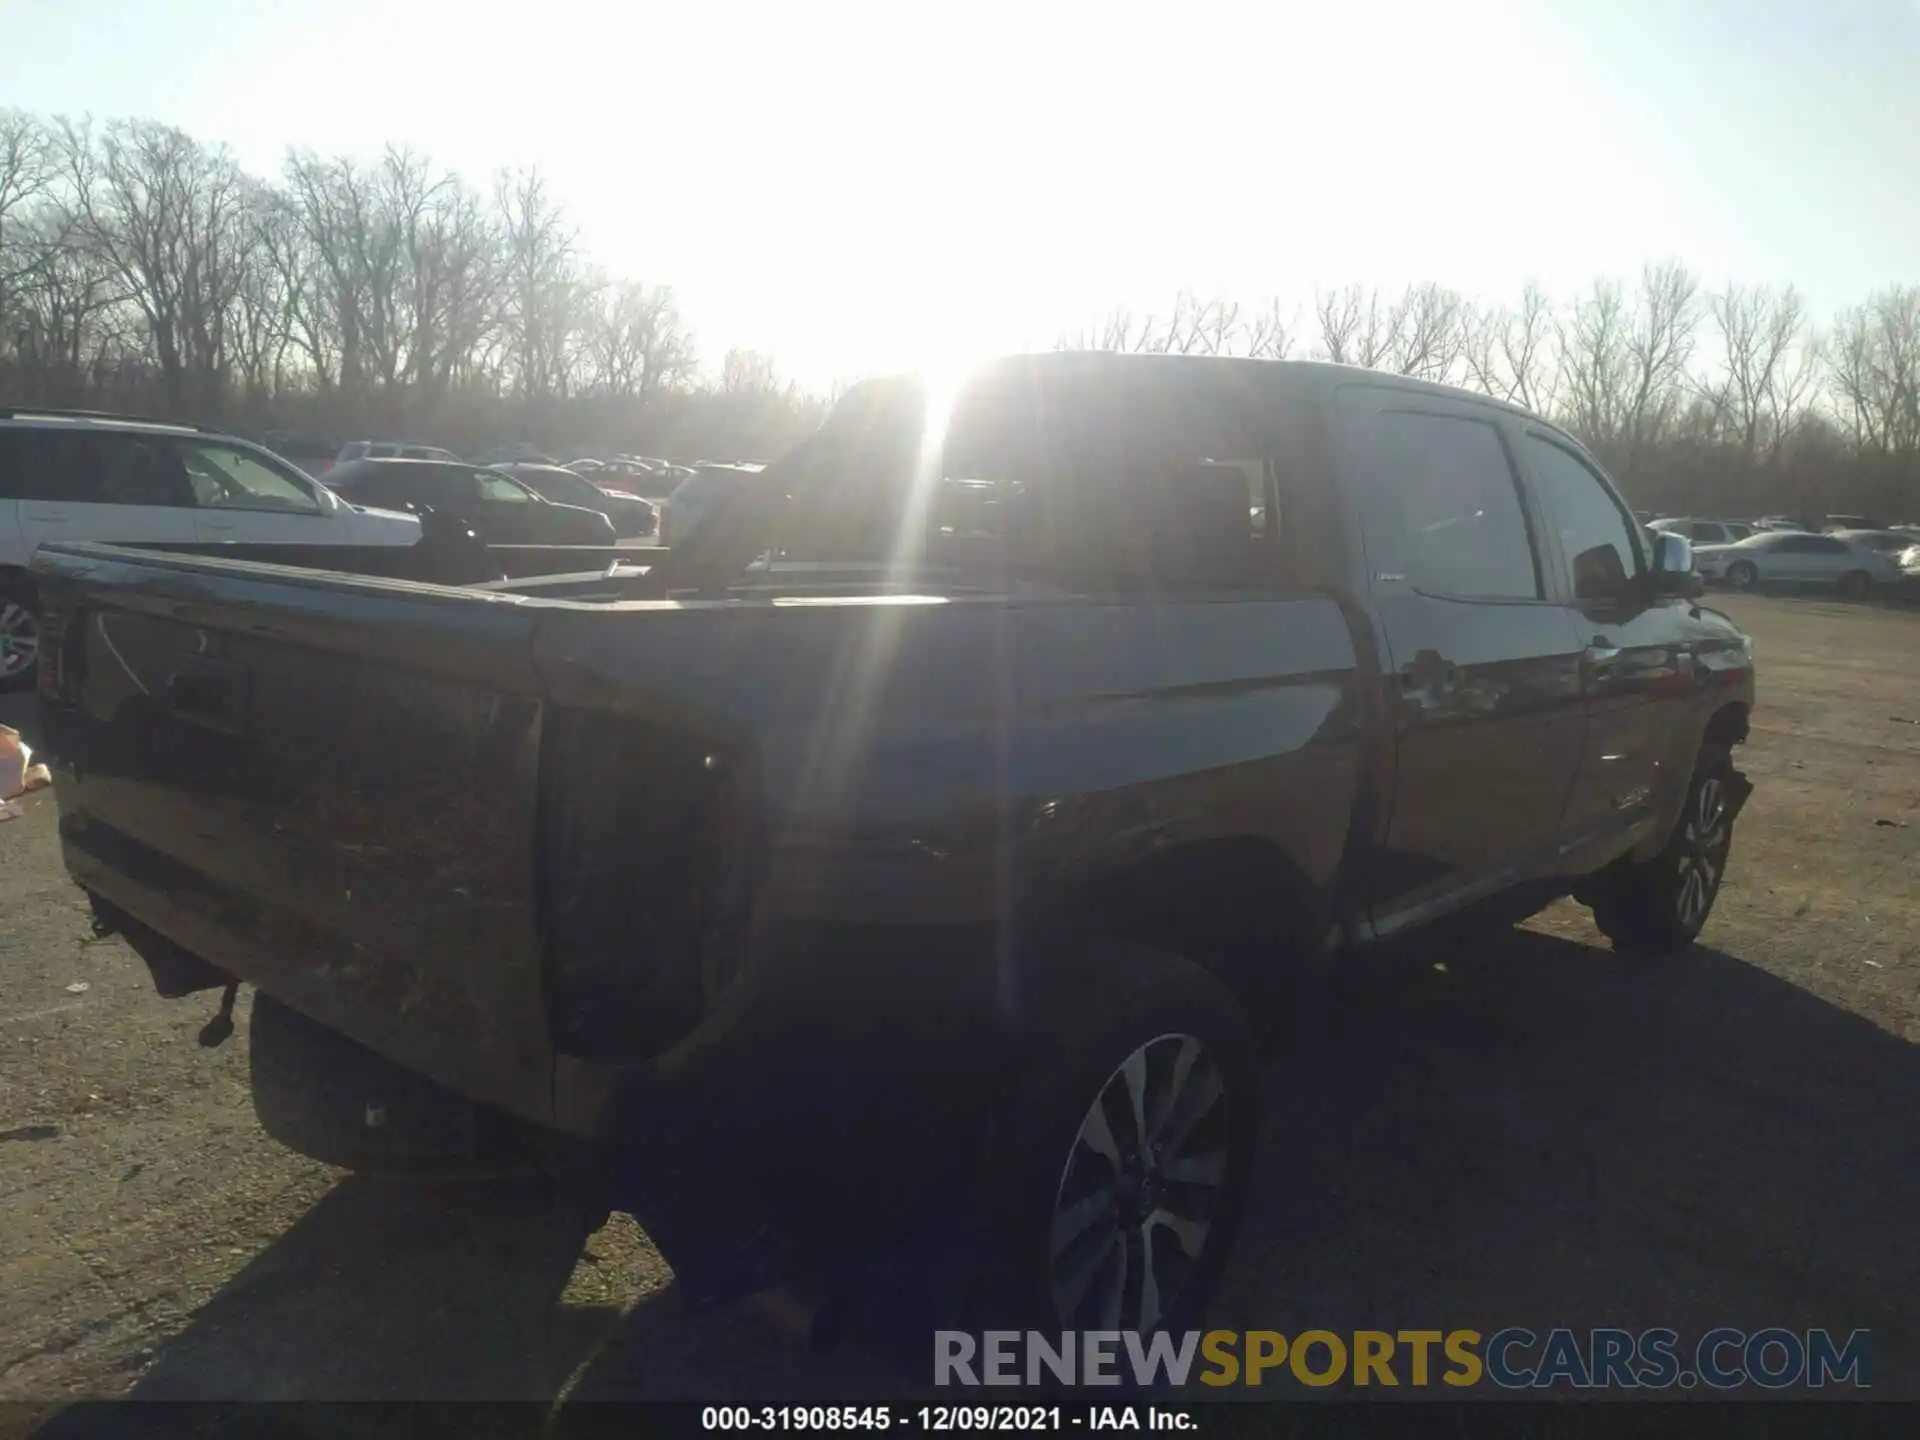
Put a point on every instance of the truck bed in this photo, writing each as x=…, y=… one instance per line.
x=481, y=833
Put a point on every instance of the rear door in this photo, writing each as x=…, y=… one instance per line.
x=1821, y=559
x=1637, y=670
x=1482, y=668
x=243, y=498
x=121, y=487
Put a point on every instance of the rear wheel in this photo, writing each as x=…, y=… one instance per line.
x=1856, y=584
x=19, y=635
x=1742, y=575
x=1132, y=1147
x=1659, y=907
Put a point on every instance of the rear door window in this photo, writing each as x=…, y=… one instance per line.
x=92, y=467
x=1812, y=545
x=1443, y=486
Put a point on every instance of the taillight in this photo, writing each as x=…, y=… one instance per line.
x=63, y=653
x=647, y=877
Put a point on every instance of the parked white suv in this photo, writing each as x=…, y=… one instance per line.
x=1706, y=532
x=90, y=477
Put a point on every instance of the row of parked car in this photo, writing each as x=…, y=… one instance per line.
x=1850, y=554
x=71, y=475
x=498, y=492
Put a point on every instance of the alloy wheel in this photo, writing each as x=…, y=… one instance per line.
x=19, y=639
x=1141, y=1187
x=1704, y=839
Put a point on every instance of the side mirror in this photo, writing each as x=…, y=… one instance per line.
x=1672, y=570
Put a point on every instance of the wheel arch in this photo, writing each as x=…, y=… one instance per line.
x=1239, y=906
x=1725, y=725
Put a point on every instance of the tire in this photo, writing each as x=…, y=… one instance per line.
x=1742, y=575
x=1856, y=585
x=19, y=636
x=1086, y=1213
x=1659, y=907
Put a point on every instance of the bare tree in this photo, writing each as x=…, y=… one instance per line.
x=261, y=320
x=357, y=262
x=1428, y=325
x=748, y=372
x=544, y=292
x=636, y=345
x=1421, y=333
x=1595, y=367
x=25, y=168
x=167, y=215
x=1508, y=351
x=1766, y=367
x=1875, y=371
x=1269, y=333
x=1659, y=346
x=1120, y=331
x=68, y=329
x=450, y=278
x=1354, y=329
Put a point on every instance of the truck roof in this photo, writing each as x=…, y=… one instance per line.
x=1305, y=374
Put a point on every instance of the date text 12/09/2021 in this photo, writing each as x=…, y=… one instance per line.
x=941, y=1419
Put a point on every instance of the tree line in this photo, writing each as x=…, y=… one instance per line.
x=143, y=270
x=1729, y=401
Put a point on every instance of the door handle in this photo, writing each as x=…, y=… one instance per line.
x=213, y=690
x=46, y=519
x=1428, y=671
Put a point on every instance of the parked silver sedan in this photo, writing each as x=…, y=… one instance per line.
x=1784, y=558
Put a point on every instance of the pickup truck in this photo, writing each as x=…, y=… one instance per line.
x=933, y=836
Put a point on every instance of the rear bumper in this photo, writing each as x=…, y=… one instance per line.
x=845, y=1043
x=823, y=1111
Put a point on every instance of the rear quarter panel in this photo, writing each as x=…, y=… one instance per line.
x=956, y=764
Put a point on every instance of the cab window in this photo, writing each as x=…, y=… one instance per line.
x=1596, y=535
x=227, y=478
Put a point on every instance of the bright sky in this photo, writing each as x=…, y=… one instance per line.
x=860, y=184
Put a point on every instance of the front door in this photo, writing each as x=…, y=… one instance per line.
x=509, y=513
x=1637, y=672
x=243, y=499
x=1482, y=673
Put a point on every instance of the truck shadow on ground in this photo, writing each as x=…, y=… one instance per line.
x=1543, y=1134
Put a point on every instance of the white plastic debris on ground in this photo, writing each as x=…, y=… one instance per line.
x=18, y=773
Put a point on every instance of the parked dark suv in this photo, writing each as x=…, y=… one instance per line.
x=501, y=510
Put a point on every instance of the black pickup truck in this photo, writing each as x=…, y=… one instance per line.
x=933, y=837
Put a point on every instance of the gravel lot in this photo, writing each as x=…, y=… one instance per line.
x=1542, y=1135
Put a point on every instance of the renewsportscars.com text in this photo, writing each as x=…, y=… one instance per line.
x=1513, y=1358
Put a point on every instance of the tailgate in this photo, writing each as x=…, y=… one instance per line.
x=323, y=784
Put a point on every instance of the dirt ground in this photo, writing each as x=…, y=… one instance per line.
x=1544, y=1135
